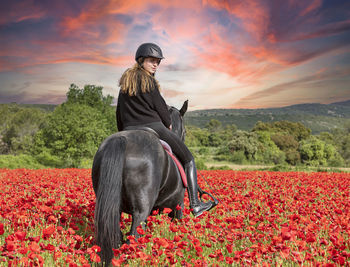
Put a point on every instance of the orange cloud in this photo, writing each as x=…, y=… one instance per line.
x=87, y=25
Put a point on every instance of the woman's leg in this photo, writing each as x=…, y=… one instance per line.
x=185, y=156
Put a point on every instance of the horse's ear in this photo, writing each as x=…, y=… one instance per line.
x=184, y=108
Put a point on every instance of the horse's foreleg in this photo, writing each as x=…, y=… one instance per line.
x=139, y=218
x=175, y=213
x=179, y=214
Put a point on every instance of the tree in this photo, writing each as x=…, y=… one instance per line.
x=261, y=126
x=214, y=139
x=20, y=129
x=246, y=142
x=196, y=136
x=345, y=148
x=227, y=133
x=341, y=139
x=326, y=137
x=72, y=133
x=288, y=144
x=315, y=152
x=296, y=129
x=90, y=95
x=268, y=151
x=213, y=125
x=285, y=142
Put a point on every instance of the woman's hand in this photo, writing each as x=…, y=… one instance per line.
x=170, y=127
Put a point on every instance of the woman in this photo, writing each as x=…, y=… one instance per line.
x=140, y=104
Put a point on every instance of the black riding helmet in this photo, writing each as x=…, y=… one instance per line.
x=149, y=50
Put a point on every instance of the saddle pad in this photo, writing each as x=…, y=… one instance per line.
x=177, y=162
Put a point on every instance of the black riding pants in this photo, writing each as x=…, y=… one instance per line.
x=178, y=147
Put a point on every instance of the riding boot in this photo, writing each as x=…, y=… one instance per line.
x=198, y=206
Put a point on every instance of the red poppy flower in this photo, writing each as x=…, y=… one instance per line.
x=2, y=231
x=94, y=257
x=47, y=232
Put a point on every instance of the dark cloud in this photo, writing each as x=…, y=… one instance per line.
x=299, y=20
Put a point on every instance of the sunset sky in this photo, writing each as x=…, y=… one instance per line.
x=218, y=54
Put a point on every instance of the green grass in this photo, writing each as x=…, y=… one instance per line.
x=203, y=162
x=19, y=161
x=26, y=161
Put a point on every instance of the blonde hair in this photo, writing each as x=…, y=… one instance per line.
x=137, y=76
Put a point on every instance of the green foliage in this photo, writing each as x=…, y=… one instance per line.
x=72, y=132
x=286, y=136
x=19, y=126
x=213, y=125
x=238, y=157
x=292, y=157
x=19, y=161
x=341, y=140
x=196, y=136
x=269, y=152
x=246, y=142
x=280, y=168
x=295, y=129
x=289, y=145
x=315, y=152
x=326, y=137
x=285, y=142
x=200, y=164
x=224, y=167
x=214, y=139
x=90, y=95
x=48, y=159
x=86, y=163
x=345, y=148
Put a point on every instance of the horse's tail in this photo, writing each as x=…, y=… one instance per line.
x=108, y=196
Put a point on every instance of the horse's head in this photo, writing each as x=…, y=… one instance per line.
x=177, y=120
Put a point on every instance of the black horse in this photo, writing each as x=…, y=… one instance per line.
x=132, y=173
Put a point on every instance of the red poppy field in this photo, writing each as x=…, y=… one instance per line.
x=263, y=219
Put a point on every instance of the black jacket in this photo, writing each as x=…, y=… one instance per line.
x=141, y=109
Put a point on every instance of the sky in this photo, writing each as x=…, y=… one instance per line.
x=218, y=53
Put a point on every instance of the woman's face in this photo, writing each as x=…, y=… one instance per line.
x=151, y=64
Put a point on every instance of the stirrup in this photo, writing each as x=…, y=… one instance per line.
x=202, y=192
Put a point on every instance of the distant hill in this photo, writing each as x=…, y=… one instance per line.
x=318, y=117
x=344, y=103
